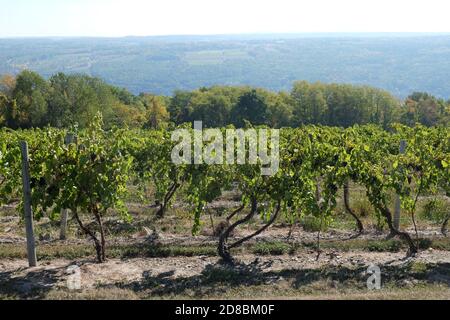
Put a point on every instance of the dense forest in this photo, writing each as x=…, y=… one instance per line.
x=30, y=101
x=400, y=64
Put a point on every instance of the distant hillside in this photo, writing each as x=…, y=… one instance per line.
x=400, y=64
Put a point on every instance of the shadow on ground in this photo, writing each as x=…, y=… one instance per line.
x=219, y=278
x=32, y=284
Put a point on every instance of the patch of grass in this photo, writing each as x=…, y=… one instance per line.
x=112, y=293
x=177, y=221
x=362, y=206
x=217, y=288
x=424, y=243
x=385, y=246
x=343, y=221
x=168, y=251
x=313, y=224
x=434, y=210
x=418, y=267
x=441, y=244
x=357, y=244
x=46, y=252
x=76, y=251
x=272, y=248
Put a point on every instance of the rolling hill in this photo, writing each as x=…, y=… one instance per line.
x=398, y=63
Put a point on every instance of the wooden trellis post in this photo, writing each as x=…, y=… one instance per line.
x=31, y=245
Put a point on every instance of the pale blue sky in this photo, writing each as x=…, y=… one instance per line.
x=19, y=18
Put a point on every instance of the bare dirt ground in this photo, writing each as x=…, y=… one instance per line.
x=339, y=272
x=200, y=275
x=116, y=270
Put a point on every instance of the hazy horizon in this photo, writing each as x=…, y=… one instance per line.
x=163, y=64
x=250, y=35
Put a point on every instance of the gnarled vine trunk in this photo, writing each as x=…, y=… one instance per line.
x=99, y=219
x=349, y=209
x=444, y=226
x=395, y=232
x=224, y=248
x=169, y=195
x=98, y=244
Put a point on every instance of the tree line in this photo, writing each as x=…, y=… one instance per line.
x=30, y=101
